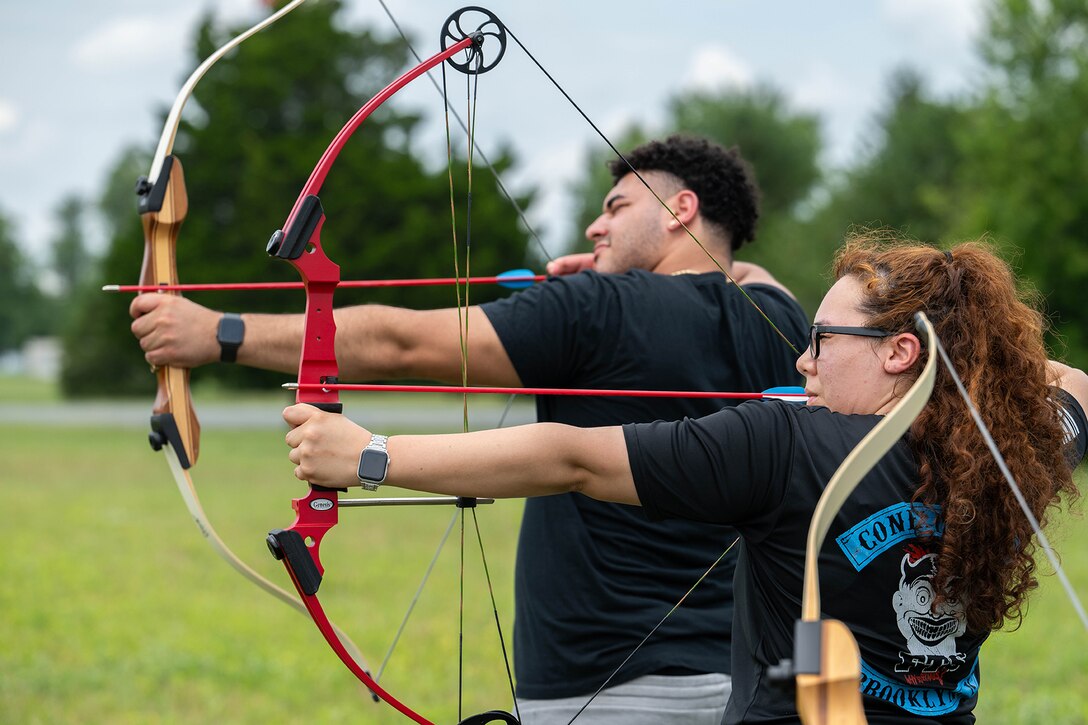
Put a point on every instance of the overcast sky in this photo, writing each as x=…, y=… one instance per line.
x=82, y=79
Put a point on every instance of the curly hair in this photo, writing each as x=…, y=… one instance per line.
x=721, y=178
x=993, y=335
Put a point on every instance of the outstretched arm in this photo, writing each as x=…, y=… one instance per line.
x=529, y=460
x=373, y=342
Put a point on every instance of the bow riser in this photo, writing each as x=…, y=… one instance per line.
x=300, y=245
x=163, y=207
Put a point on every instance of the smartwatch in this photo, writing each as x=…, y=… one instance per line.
x=229, y=336
x=373, y=463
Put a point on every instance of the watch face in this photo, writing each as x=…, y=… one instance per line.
x=372, y=466
x=231, y=330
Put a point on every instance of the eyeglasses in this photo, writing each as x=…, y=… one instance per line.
x=817, y=332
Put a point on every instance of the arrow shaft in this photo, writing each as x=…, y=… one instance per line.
x=357, y=283
x=486, y=390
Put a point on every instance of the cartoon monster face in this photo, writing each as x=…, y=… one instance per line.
x=928, y=631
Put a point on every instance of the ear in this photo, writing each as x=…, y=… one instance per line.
x=902, y=351
x=685, y=204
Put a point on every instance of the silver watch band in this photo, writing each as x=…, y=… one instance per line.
x=377, y=444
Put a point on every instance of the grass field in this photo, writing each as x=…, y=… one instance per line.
x=114, y=610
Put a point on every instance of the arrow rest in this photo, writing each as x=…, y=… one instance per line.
x=485, y=26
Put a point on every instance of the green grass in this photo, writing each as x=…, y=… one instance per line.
x=23, y=389
x=113, y=610
x=1039, y=673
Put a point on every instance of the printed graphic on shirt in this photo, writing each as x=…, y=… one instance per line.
x=868, y=539
x=930, y=633
x=931, y=676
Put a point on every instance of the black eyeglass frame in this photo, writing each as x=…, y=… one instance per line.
x=816, y=332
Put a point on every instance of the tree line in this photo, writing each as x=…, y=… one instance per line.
x=1006, y=159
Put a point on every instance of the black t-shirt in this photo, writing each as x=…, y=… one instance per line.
x=593, y=578
x=769, y=463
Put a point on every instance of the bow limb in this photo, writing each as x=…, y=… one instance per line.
x=826, y=661
x=163, y=205
x=173, y=119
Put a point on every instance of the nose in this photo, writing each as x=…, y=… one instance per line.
x=805, y=364
x=597, y=229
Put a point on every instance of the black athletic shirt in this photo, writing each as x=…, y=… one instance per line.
x=593, y=578
x=765, y=466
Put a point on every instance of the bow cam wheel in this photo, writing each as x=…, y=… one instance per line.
x=488, y=33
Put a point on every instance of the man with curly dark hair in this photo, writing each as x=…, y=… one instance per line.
x=728, y=202
x=648, y=309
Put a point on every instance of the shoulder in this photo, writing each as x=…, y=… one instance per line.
x=814, y=428
x=635, y=285
x=746, y=273
x=759, y=418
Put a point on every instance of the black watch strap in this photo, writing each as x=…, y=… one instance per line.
x=230, y=334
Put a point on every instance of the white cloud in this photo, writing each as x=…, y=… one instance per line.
x=821, y=87
x=28, y=140
x=827, y=90
x=715, y=67
x=9, y=115
x=936, y=22
x=128, y=41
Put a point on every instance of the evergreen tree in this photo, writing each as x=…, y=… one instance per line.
x=907, y=177
x=24, y=310
x=257, y=124
x=72, y=261
x=1028, y=153
x=782, y=146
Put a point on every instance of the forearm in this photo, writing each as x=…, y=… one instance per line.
x=532, y=460
x=272, y=342
x=748, y=273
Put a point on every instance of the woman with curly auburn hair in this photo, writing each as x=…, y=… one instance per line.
x=995, y=343
x=928, y=555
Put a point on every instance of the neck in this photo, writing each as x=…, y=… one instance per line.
x=693, y=260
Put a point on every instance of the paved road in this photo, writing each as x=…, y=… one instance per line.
x=437, y=416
